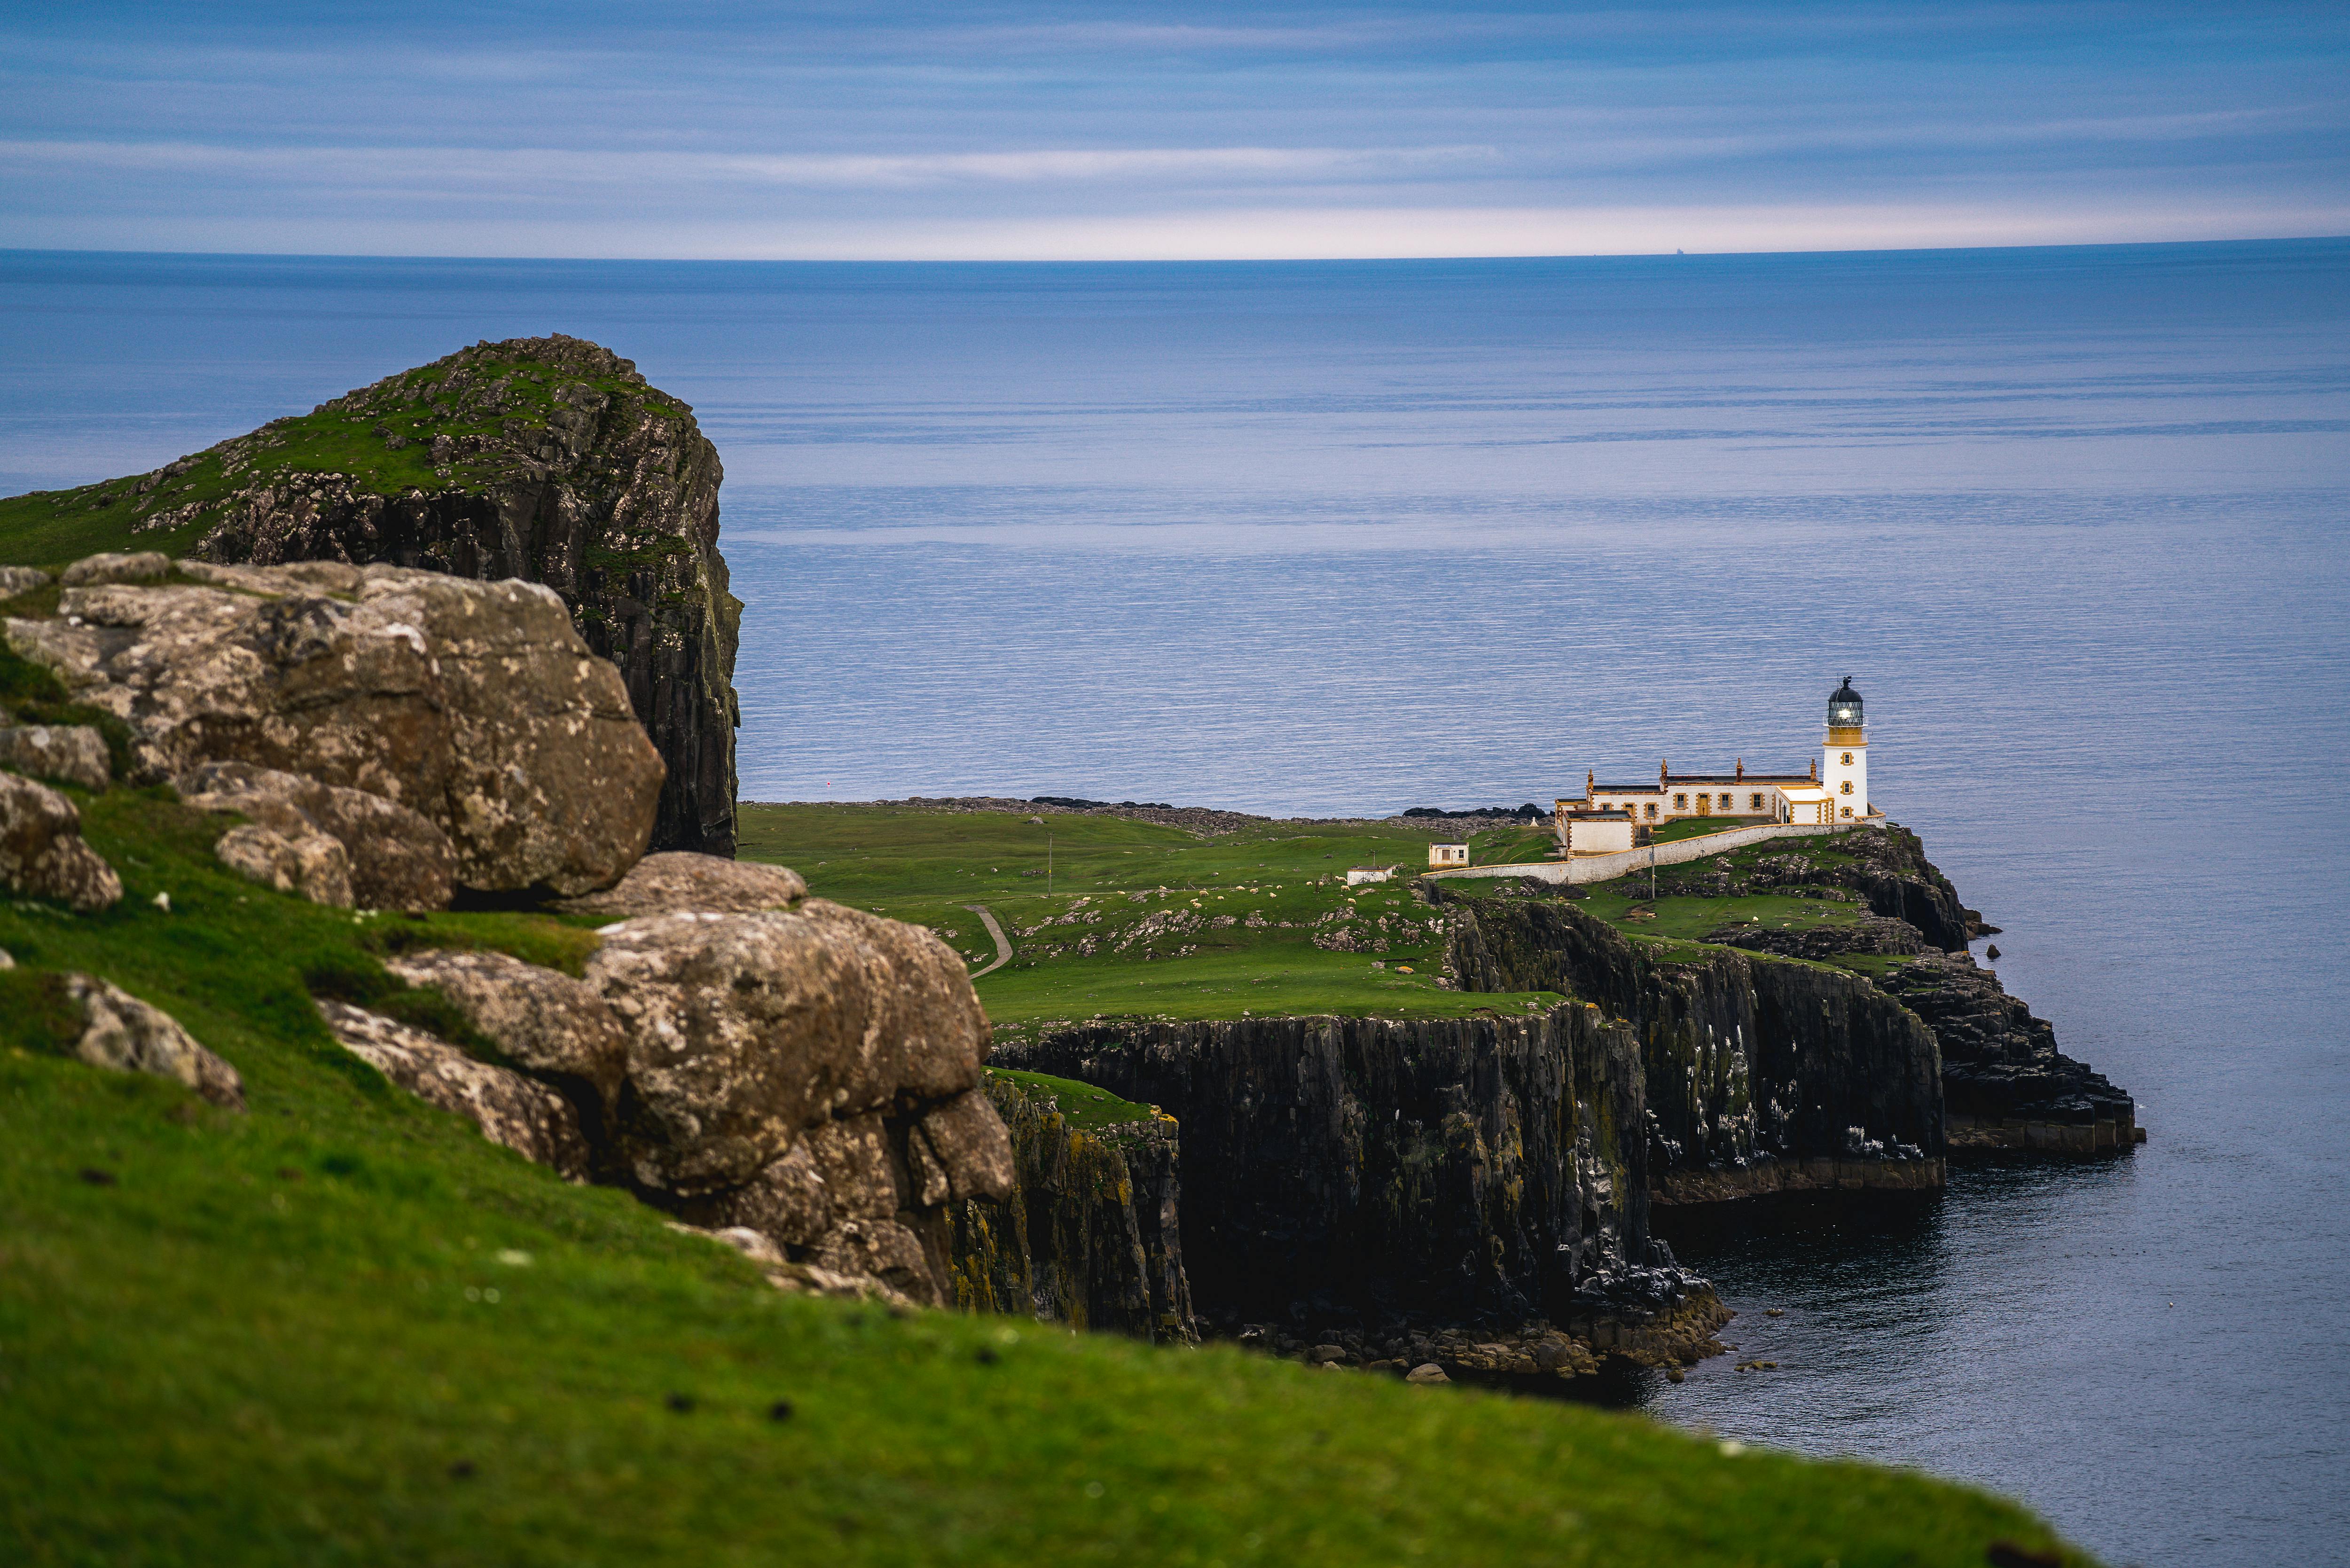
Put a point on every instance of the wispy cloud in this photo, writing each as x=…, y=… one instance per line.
x=502, y=167
x=1109, y=128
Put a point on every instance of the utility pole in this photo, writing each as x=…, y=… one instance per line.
x=1048, y=853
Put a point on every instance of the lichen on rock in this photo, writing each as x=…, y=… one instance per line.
x=122, y=1033
x=474, y=705
x=42, y=852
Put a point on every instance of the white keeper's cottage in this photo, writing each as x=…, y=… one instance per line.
x=1833, y=789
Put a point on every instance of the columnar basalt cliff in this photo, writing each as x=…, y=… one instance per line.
x=1453, y=1170
x=546, y=458
x=1766, y=1074
x=1762, y=1075
x=1091, y=1236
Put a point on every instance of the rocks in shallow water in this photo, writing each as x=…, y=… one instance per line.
x=743, y=1029
x=676, y=880
x=42, y=852
x=474, y=704
x=119, y=566
x=391, y=857
x=120, y=1032
x=70, y=753
x=522, y=1114
x=309, y=864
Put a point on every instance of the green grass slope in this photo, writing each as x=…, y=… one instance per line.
x=344, y=1329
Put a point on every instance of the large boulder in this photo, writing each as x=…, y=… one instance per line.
x=70, y=753
x=521, y=1112
x=309, y=863
x=127, y=1035
x=676, y=880
x=744, y=1029
x=474, y=704
x=543, y=1021
x=392, y=858
x=804, y=1075
x=42, y=852
x=119, y=566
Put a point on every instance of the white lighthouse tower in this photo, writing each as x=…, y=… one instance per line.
x=1843, y=766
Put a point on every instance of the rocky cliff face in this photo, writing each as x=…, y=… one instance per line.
x=1450, y=1171
x=1760, y=1076
x=2004, y=1082
x=546, y=458
x=1091, y=1236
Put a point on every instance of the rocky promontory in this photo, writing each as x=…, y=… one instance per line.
x=545, y=459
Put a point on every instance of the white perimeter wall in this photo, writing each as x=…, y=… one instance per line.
x=1607, y=868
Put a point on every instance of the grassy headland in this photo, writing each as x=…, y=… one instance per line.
x=1149, y=920
x=343, y=1328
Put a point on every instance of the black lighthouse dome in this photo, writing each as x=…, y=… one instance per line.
x=1844, y=706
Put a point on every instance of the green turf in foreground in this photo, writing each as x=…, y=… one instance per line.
x=344, y=1329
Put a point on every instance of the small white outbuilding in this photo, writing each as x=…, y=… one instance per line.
x=1440, y=856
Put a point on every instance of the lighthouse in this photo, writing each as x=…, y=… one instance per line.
x=1843, y=764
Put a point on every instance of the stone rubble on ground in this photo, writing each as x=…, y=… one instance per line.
x=67, y=754
x=42, y=852
x=16, y=580
x=122, y=1033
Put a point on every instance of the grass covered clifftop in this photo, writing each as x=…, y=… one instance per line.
x=1145, y=919
x=1141, y=920
x=342, y=1327
x=468, y=422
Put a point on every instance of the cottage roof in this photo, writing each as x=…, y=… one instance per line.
x=1738, y=778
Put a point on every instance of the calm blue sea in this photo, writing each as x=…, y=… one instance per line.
x=1345, y=538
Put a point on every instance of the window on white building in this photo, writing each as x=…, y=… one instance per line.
x=1845, y=788
x=1652, y=811
x=1754, y=802
x=1680, y=803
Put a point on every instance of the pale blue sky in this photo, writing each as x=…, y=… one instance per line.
x=1098, y=131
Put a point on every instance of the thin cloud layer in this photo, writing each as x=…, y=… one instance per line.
x=1102, y=130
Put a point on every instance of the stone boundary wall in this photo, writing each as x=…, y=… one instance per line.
x=1607, y=868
